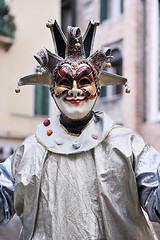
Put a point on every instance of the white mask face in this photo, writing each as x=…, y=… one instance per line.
x=75, y=91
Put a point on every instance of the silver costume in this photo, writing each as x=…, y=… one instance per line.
x=82, y=187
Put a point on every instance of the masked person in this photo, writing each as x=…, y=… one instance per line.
x=80, y=177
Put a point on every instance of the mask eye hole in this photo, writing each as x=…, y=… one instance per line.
x=65, y=83
x=84, y=82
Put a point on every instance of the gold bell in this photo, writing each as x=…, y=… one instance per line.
x=17, y=90
x=77, y=45
x=48, y=25
x=40, y=74
x=108, y=65
x=128, y=90
x=97, y=23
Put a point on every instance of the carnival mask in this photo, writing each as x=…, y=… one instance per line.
x=75, y=90
x=73, y=73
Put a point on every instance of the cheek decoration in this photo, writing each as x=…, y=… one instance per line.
x=89, y=94
x=61, y=94
x=92, y=96
x=64, y=72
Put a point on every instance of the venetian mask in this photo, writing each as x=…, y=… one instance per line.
x=75, y=90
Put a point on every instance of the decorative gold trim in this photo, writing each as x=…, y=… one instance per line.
x=108, y=132
x=72, y=134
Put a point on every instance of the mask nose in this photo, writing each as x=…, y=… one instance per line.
x=74, y=84
x=75, y=91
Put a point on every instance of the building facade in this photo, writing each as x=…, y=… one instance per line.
x=20, y=113
x=131, y=28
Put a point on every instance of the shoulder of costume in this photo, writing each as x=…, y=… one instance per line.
x=55, y=138
x=29, y=155
x=29, y=144
x=120, y=129
x=124, y=131
x=122, y=138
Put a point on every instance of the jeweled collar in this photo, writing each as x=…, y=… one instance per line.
x=52, y=135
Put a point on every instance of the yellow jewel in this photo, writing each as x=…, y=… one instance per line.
x=74, y=65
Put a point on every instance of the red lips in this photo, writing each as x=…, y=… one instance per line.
x=74, y=101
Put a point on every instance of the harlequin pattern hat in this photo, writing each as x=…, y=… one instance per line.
x=74, y=50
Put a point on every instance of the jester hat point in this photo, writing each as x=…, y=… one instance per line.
x=74, y=51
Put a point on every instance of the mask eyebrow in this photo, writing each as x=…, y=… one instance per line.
x=84, y=72
x=64, y=72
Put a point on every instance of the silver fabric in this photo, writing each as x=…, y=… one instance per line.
x=148, y=184
x=6, y=191
x=89, y=195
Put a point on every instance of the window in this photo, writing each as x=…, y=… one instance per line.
x=159, y=55
x=68, y=14
x=41, y=99
x=7, y=25
x=155, y=61
x=110, y=9
x=113, y=92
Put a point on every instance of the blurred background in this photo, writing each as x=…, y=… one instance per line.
x=130, y=27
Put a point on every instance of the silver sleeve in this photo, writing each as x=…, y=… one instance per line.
x=148, y=184
x=6, y=191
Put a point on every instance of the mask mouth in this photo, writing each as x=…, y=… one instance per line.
x=76, y=104
x=76, y=100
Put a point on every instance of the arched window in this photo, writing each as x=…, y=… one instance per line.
x=68, y=14
x=110, y=9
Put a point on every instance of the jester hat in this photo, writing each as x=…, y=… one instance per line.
x=74, y=50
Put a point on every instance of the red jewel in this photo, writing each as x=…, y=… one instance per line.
x=49, y=132
x=46, y=122
x=95, y=136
